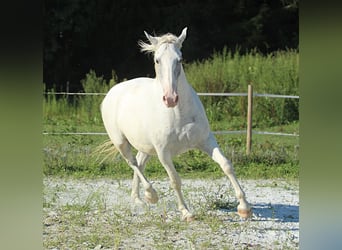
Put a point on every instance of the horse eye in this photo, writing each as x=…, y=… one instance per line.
x=157, y=61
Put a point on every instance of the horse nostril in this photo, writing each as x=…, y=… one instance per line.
x=170, y=101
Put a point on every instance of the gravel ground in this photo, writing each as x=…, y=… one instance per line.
x=99, y=214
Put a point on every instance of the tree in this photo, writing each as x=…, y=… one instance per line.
x=102, y=35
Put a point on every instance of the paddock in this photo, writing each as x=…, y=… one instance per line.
x=98, y=214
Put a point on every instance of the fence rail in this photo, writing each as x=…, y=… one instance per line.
x=220, y=132
x=200, y=94
x=248, y=131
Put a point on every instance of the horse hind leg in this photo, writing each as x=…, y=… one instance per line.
x=125, y=150
x=211, y=148
x=141, y=159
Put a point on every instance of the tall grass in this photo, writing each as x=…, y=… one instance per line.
x=275, y=73
x=227, y=72
x=77, y=111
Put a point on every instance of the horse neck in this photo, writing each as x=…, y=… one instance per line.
x=184, y=92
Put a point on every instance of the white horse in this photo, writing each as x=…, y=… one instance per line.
x=162, y=116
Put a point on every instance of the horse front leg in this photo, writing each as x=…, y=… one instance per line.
x=176, y=183
x=211, y=148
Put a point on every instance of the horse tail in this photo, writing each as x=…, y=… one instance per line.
x=104, y=151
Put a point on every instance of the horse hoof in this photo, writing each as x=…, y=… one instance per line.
x=151, y=196
x=188, y=218
x=245, y=213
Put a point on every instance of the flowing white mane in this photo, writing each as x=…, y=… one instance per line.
x=153, y=47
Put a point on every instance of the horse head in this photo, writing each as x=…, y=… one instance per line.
x=167, y=63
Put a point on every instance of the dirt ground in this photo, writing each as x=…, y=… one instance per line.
x=99, y=214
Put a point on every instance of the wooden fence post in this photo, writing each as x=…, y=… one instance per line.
x=249, y=119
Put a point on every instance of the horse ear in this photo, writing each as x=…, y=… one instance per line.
x=181, y=37
x=152, y=39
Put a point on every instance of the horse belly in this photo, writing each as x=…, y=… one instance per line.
x=141, y=144
x=123, y=112
x=136, y=132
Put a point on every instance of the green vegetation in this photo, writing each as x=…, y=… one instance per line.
x=272, y=156
x=275, y=73
x=79, y=36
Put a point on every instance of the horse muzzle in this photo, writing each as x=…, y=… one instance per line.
x=170, y=100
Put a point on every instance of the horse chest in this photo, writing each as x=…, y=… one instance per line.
x=187, y=134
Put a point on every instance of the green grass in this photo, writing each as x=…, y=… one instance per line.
x=275, y=73
x=271, y=157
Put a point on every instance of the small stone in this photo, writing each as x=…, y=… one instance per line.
x=52, y=214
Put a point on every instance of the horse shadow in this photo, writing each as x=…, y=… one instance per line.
x=276, y=212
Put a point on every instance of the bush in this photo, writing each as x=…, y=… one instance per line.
x=83, y=109
x=89, y=105
x=275, y=73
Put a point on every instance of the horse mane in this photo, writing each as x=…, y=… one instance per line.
x=151, y=48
